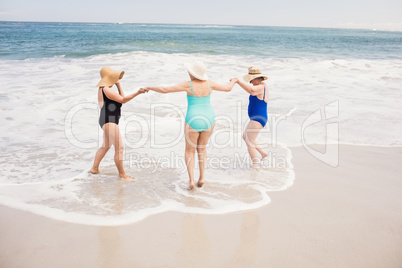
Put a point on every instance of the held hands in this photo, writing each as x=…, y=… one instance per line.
x=234, y=80
x=142, y=90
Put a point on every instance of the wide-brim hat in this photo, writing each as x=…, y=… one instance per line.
x=253, y=73
x=109, y=77
x=197, y=69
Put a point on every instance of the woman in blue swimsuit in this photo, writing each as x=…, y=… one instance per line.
x=110, y=103
x=257, y=111
x=200, y=117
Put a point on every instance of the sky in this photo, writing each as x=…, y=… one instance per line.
x=367, y=14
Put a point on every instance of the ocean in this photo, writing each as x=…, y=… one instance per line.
x=326, y=87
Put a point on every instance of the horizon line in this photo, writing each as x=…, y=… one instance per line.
x=211, y=24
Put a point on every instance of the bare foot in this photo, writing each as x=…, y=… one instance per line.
x=200, y=183
x=191, y=186
x=256, y=165
x=94, y=170
x=125, y=176
x=265, y=154
x=255, y=162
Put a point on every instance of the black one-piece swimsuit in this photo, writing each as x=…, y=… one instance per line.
x=110, y=112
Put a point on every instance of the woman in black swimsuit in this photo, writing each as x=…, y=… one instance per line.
x=110, y=103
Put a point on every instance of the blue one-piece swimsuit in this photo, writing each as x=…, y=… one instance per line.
x=257, y=109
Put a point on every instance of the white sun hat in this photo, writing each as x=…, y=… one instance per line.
x=197, y=69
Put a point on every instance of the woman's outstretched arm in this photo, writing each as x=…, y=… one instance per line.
x=220, y=87
x=113, y=95
x=168, y=89
x=250, y=89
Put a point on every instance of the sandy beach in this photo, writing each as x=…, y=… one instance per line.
x=348, y=216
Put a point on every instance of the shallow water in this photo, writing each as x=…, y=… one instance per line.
x=49, y=131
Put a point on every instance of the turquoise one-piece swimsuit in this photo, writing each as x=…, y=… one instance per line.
x=200, y=114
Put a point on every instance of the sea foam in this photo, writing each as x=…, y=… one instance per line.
x=49, y=131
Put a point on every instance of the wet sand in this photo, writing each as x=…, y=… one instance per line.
x=348, y=216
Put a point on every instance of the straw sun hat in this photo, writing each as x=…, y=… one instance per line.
x=197, y=69
x=109, y=77
x=254, y=72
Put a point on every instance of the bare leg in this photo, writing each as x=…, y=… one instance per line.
x=191, y=142
x=113, y=133
x=119, y=153
x=100, y=153
x=250, y=135
x=202, y=152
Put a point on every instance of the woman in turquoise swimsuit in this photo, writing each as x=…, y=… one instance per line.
x=200, y=117
x=257, y=111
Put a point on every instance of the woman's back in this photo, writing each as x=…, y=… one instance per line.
x=200, y=114
x=199, y=88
